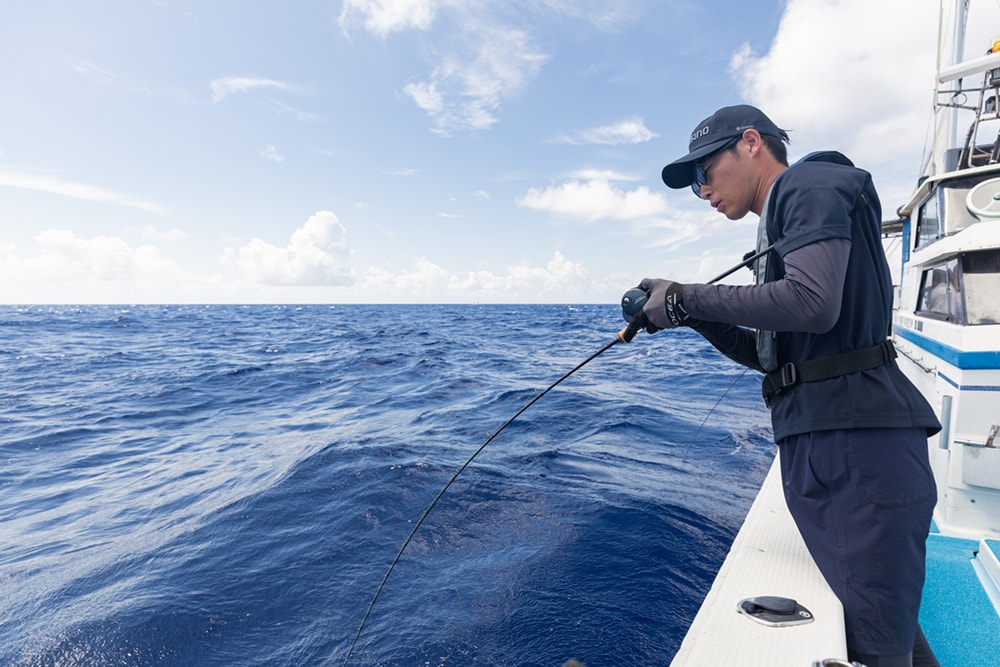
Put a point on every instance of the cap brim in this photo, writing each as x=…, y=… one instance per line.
x=680, y=173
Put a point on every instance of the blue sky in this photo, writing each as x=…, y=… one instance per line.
x=416, y=151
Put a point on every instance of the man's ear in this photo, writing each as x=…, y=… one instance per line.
x=753, y=140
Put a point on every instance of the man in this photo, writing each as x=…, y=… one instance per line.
x=851, y=429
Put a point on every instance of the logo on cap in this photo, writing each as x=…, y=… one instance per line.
x=700, y=132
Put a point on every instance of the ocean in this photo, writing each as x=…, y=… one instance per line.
x=227, y=485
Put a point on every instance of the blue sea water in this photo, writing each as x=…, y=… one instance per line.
x=227, y=485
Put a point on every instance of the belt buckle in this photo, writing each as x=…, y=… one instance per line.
x=789, y=375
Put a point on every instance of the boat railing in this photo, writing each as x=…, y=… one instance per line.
x=986, y=107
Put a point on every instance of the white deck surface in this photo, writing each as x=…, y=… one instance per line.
x=767, y=558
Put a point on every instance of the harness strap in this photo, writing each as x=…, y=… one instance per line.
x=824, y=368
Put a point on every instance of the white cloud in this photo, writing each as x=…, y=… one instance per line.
x=486, y=56
x=282, y=109
x=226, y=86
x=602, y=175
x=595, y=200
x=628, y=131
x=65, y=268
x=601, y=13
x=316, y=254
x=409, y=284
x=271, y=153
x=560, y=280
x=386, y=16
x=482, y=62
x=64, y=256
x=874, y=88
x=469, y=85
x=92, y=72
x=426, y=96
x=400, y=172
x=69, y=189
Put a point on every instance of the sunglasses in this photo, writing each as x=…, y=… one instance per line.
x=700, y=178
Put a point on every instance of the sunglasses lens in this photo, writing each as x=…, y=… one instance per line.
x=699, y=174
x=699, y=180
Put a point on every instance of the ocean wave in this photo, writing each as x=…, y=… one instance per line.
x=229, y=484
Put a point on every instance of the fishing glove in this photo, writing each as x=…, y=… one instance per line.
x=665, y=307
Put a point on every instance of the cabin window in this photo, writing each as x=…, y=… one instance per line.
x=963, y=289
x=944, y=212
x=928, y=221
x=981, y=280
x=941, y=295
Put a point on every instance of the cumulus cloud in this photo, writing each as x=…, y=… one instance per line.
x=84, y=191
x=65, y=268
x=62, y=267
x=595, y=199
x=628, y=131
x=226, y=86
x=875, y=86
x=316, y=254
x=64, y=256
x=560, y=280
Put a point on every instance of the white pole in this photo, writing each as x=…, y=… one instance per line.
x=957, y=54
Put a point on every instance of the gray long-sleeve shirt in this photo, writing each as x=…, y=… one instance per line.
x=807, y=298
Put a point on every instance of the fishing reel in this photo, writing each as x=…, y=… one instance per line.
x=632, y=303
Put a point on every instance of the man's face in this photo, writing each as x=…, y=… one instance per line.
x=728, y=182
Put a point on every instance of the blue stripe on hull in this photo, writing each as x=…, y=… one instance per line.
x=967, y=361
x=968, y=387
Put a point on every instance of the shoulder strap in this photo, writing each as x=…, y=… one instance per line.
x=826, y=156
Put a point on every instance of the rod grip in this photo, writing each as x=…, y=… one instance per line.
x=628, y=333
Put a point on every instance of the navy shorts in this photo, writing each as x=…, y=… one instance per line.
x=863, y=500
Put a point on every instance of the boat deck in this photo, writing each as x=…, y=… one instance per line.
x=958, y=612
x=768, y=557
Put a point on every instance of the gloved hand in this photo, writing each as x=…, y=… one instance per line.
x=665, y=307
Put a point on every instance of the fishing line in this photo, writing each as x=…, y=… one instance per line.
x=748, y=259
x=705, y=420
x=624, y=336
x=458, y=472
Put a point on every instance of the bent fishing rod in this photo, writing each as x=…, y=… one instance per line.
x=632, y=303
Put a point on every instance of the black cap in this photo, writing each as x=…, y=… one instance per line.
x=712, y=134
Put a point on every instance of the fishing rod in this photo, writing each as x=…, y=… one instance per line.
x=635, y=298
x=632, y=303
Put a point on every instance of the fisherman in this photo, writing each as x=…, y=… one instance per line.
x=851, y=429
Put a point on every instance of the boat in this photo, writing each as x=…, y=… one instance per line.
x=945, y=247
